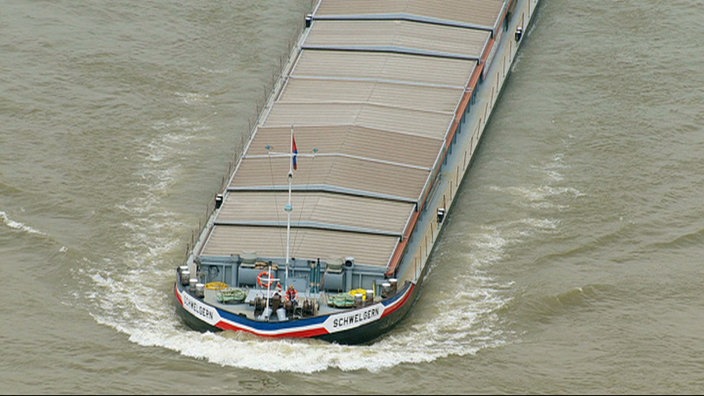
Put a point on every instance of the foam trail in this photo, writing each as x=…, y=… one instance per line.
x=17, y=225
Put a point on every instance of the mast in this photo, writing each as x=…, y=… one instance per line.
x=289, y=207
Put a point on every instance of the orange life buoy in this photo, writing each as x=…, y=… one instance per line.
x=265, y=283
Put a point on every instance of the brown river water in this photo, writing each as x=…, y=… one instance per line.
x=572, y=260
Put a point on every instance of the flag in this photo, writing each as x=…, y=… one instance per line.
x=294, y=152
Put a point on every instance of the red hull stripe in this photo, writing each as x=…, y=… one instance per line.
x=297, y=334
x=401, y=302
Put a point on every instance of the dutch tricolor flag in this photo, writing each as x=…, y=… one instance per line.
x=294, y=153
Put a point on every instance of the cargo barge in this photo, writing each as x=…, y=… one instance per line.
x=326, y=224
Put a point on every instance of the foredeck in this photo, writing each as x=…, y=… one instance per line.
x=372, y=97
